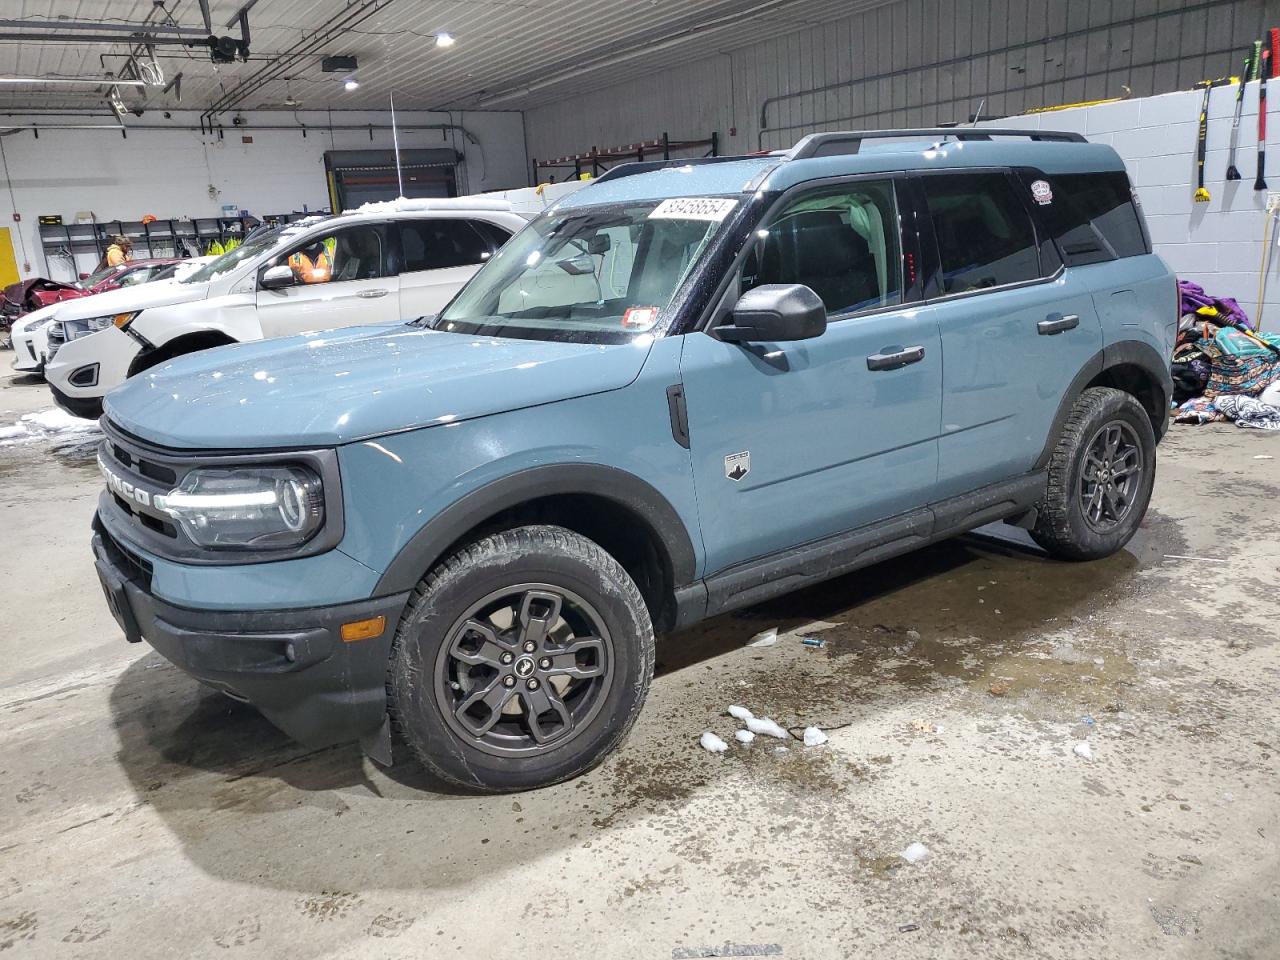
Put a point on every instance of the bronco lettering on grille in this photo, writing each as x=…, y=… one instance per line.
x=123, y=488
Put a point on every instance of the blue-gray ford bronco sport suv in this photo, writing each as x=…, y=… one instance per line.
x=683, y=389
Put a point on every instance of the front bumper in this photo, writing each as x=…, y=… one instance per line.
x=292, y=665
x=111, y=350
x=27, y=356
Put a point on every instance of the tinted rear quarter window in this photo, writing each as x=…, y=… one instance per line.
x=436, y=244
x=1093, y=218
x=984, y=233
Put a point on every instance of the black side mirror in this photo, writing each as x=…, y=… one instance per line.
x=776, y=313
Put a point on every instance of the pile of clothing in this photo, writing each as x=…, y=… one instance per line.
x=1223, y=368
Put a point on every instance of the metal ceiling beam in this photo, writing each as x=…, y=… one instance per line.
x=106, y=26
x=99, y=38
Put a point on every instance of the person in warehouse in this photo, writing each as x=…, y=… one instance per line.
x=312, y=264
x=119, y=252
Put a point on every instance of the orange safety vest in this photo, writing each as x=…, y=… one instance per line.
x=308, y=271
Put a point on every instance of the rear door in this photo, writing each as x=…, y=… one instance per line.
x=1016, y=327
x=349, y=285
x=437, y=256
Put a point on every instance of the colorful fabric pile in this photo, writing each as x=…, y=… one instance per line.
x=1221, y=361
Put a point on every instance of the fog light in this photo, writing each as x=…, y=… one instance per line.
x=363, y=629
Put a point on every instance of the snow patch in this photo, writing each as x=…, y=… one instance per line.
x=740, y=713
x=915, y=852
x=813, y=737
x=44, y=425
x=713, y=744
x=766, y=727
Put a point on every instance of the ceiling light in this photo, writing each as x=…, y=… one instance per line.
x=351, y=84
x=95, y=81
x=445, y=40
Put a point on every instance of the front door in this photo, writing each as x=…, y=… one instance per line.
x=340, y=280
x=793, y=442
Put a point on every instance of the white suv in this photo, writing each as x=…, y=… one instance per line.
x=379, y=264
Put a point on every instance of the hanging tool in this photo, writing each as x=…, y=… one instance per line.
x=1202, y=136
x=1260, y=182
x=1232, y=172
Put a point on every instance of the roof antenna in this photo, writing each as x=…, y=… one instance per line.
x=395, y=140
x=978, y=116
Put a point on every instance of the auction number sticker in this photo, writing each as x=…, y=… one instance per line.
x=693, y=208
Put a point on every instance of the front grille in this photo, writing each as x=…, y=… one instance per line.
x=135, y=567
x=139, y=464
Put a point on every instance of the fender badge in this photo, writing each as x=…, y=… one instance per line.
x=737, y=465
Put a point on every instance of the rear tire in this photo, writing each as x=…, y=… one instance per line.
x=1101, y=475
x=521, y=660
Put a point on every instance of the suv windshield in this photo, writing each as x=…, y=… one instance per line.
x=241, y=254
x=601, y=274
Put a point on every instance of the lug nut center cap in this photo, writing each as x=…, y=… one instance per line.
x=524, y=668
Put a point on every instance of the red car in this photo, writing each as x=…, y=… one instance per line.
x=26, y=295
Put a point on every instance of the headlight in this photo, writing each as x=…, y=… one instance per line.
x=247, y=508
x=75, y=329
x=42, y=322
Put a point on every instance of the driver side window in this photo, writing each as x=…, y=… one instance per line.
x=355, y=253
x=843, y=243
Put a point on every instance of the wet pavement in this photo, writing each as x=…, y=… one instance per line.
x=142, y=816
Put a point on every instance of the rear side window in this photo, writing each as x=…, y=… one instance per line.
x=985, y=235
x=1092, y=217
x=437, y=244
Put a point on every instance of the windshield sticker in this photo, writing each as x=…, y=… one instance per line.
x=640, y=318
x=694, y=208
x=1042, y=193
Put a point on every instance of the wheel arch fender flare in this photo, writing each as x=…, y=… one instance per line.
x=627, y=491
x=1122, y=353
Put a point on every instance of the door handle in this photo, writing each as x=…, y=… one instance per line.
x=371, y=294
x=1057, y=323
x=895, y=361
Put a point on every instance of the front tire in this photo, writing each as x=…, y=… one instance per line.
x=522, y=660
x=1101, y=475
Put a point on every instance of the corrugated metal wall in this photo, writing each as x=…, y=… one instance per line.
x=914, y=63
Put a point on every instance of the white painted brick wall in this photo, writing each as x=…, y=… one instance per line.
x=1217, y=244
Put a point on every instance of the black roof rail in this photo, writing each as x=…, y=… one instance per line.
x=837, y=144
x=633, y=167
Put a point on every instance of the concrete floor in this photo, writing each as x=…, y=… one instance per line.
x=142, y=817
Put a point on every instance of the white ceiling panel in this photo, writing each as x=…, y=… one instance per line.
x=509, y=54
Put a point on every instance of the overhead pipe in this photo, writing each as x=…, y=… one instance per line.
x=334, y=26
x=144, y=27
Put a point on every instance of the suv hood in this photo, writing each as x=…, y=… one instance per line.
x=162, y=293
x=335, y=387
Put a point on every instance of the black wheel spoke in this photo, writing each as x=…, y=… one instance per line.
x=580, y=659
x=478, y=643
x=494, y=696
x=546, y=714
x=539, y=611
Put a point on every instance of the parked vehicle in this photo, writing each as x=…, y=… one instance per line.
x=30, y=330
x=380, y=264
x=685, y=389
x=26, y=296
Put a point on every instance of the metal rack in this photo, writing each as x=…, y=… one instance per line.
x=161, y=238
x=594, y=161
